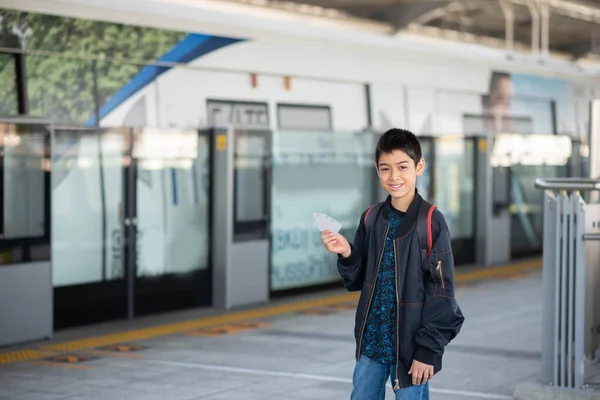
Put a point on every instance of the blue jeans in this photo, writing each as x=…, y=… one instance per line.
x=369, y=381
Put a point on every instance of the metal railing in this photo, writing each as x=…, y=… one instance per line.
x=580, y=184
x=571, y=274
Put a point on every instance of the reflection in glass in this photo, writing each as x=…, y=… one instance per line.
x=8, y=85
x=454, y=191
x=87, y=201
x=23, y=186
x=60, y=88
x=250, y=152
x=322, y=172
x=540, y=111
x=172, y=201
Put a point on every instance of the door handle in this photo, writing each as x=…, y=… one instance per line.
x=132, y=221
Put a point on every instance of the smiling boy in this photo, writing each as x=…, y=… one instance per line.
x=407, y=312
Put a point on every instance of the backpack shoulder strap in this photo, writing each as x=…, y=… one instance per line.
x=424, y=232
x=367, y=214
x=374, y=209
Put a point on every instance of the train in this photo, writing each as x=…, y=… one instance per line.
x=325, y=81
x=257, y=60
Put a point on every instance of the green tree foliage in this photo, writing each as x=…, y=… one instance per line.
x=62, y=87
x=8, y=89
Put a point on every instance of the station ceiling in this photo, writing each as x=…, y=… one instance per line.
x=570, y=27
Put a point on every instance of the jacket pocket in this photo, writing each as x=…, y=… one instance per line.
x=442, y=273
x=439, y=270
x=437, y=275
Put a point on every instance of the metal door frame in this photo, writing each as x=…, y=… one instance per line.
x=112, y=292
x=174, y=293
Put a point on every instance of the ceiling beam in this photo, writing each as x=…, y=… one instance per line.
x=341, y=4
x=451, y=7
x=559, y=7
x=403, y=14
x=569, y=9
x=582, y=49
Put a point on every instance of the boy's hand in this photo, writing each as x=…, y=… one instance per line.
x=420, y=372
x=336, y=243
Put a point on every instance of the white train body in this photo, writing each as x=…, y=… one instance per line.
x=320, y=72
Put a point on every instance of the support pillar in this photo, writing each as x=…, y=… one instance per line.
x=535, y=26
x=594, y=146
x=545, y=29
x=509, y=18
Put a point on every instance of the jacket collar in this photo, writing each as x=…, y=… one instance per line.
x=410, y=218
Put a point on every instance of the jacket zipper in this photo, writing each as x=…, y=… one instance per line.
x=362, y=331
x=441, y=271
x=397, y=386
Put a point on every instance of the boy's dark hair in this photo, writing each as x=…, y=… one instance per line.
x=399, y=139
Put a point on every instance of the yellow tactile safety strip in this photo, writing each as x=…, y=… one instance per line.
x=230, y=329
x=147, y=333
x=499, y=272
x=23, y=355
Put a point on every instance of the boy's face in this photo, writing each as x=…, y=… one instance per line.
x=398, y=173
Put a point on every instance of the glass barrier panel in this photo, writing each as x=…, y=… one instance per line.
x=87, y=203
x=455, y=184
x=172, y=201
x=527, y=207
x=424, y=181
x=24, y=177
x=315, y=172
x=23, y=186
x=529, y=157
x=251, y=185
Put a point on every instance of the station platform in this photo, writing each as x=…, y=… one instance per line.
x=293, y=348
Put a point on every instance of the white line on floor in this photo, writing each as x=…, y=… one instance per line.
x=321, y=378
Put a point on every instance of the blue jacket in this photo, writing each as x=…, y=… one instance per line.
x=428, y=316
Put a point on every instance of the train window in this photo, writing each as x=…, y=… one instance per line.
x=304, y=117
x=9, y=100
x=25, y=203
x=250, y=182
x=251, y=185
x=478, y=124
x=23, y=182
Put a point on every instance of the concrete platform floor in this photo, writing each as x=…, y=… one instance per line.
x=291, y=349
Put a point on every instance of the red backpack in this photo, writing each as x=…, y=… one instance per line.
x=424, y=233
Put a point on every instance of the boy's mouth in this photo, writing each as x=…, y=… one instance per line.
x=397, y=186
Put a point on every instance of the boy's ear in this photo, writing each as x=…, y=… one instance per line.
x=420, y=166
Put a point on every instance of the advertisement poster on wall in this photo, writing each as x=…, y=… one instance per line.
x=521, y=103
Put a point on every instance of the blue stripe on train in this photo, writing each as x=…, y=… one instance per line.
x=188, y=49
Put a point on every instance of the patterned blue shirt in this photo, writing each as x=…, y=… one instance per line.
x=379, y=338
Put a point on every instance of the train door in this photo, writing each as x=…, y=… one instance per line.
x=90, y=168
x=131, y=232
x=453, y=187
x=167, y=220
